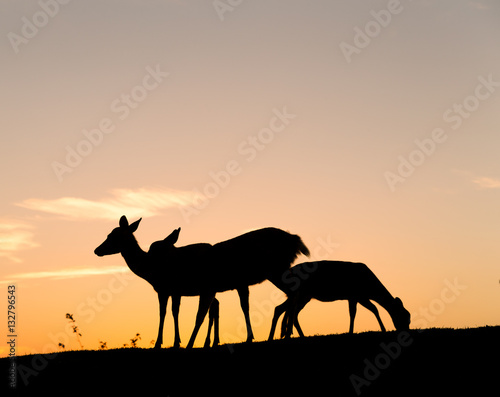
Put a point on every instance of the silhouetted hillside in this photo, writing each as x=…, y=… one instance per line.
x=429, y=362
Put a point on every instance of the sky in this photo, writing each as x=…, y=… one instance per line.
x=369, y=128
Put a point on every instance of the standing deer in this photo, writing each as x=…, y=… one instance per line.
x=204, y=269
x=328, y=281
x=147, y=264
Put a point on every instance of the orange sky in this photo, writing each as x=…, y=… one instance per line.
x=369, y=129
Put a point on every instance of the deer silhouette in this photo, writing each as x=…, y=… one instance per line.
x=328, y=281
x=147, y=265
x=204, y=269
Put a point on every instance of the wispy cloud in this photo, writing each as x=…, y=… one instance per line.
x=62, y=274
x=15, y=236
x=485, y=182
x=479, y=5
x=130, y=202
x=482, y=182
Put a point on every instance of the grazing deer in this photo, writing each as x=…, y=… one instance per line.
x=328, y=281
x=204, y=269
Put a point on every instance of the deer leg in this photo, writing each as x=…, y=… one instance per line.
x=205, y=302
x=296, y=319
x=287, y=322
x=214, y=313
x=176, y=301
x=210, y=323
x=243, y=293
x=370, y=306
x=297, y=327
x=278, y=311
x=293, y=317
x=162, y=299
x=352, y=314
x=213, y=320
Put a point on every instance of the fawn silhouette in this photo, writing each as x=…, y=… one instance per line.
x=329, y=281
x=205, y=269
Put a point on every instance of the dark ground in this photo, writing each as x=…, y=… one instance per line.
x=430, y=362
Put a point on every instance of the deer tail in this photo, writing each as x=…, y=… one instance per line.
x=301, y=247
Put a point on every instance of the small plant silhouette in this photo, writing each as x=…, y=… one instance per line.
x=133, y=341
x=75, y=328
x=103, y=345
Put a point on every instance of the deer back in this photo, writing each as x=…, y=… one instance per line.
x=181, y=270
x=255, y=256
x=335, y=280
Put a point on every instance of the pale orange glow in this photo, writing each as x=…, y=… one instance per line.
x=219, y=124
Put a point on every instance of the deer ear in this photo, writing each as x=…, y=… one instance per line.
x=172, y=238
x=123, y=221
x=133, y=227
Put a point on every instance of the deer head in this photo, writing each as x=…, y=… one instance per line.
x=118, y=239
x=400, y=316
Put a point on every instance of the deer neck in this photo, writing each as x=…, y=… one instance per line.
x=136, y=259
x=385, y=299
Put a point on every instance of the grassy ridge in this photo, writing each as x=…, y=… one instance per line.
x=427, y=362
